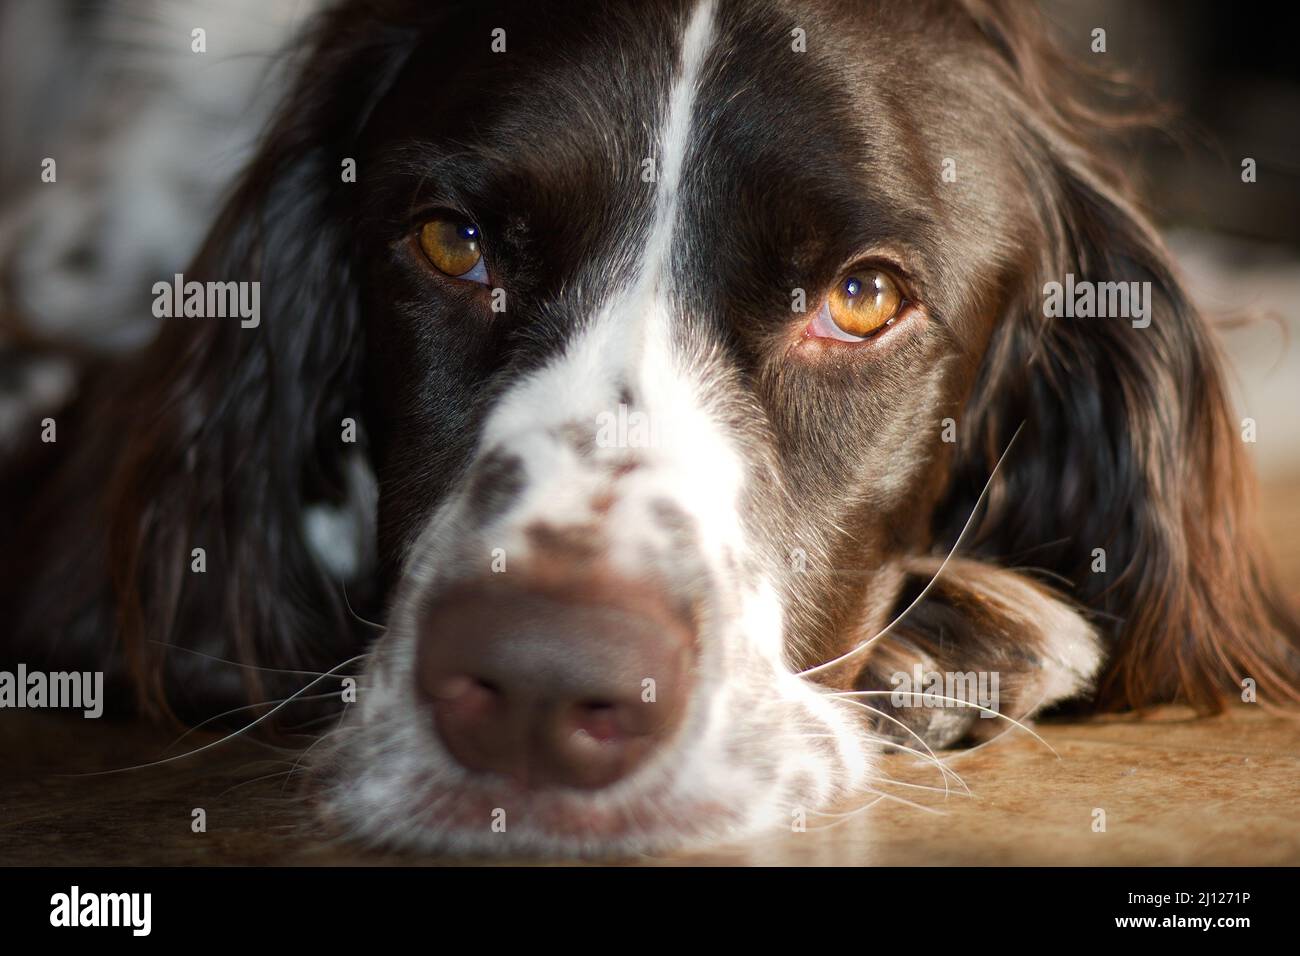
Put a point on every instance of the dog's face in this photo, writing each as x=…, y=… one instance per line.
x=666, y=308
x=686, y=342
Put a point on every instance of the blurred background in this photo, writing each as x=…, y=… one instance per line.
x=1231, y=76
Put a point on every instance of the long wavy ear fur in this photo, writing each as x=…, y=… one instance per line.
x=219, y=436
x=1130, y=443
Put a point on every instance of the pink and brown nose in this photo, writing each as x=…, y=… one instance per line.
x=572, y=687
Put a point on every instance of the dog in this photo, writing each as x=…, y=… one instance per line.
x=670, y=382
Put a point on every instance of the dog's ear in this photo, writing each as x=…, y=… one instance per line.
x=1129, y=481
x=239, y=434
x=226, y=432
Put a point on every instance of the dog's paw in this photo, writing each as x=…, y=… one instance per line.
x=983, y=647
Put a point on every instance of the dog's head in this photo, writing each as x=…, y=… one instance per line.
x=671, y=340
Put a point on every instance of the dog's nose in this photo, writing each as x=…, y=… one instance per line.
x=571, y=687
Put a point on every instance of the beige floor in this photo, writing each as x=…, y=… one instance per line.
x=1174, y=789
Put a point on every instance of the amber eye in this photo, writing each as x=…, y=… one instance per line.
x=451, y=244
x=864, y=302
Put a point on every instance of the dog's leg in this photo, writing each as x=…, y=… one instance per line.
x=982, y=642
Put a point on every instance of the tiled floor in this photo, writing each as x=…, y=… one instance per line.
x=1174, y=789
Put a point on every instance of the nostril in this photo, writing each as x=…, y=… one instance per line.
x=598, y=719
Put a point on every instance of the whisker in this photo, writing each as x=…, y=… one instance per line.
x=228, y=737
x=970, y=522
x=258, y=779
x=235, y=710
x=306, y=750
x=929, y=756
x=348, y=604
x=251, y=667
x=916, y=786
x=954, y=700
x=857, y=811
x=851, y=813
x=997, y=736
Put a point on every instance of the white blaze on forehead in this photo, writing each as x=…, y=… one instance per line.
x=628, y=340
x=643, y=308
x=674, y=142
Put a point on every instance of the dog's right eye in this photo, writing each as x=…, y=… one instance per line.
x=452, y=246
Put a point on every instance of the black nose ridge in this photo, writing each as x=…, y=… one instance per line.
x=568, y=686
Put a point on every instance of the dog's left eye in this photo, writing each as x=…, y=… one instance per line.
x=451, y=244
x=860, y=305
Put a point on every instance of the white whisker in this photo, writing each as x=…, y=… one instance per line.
x=228, y=737
x=236, y=710
x=928, y=756
x=958, y=701
x=251, y=667
x=970, y=521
